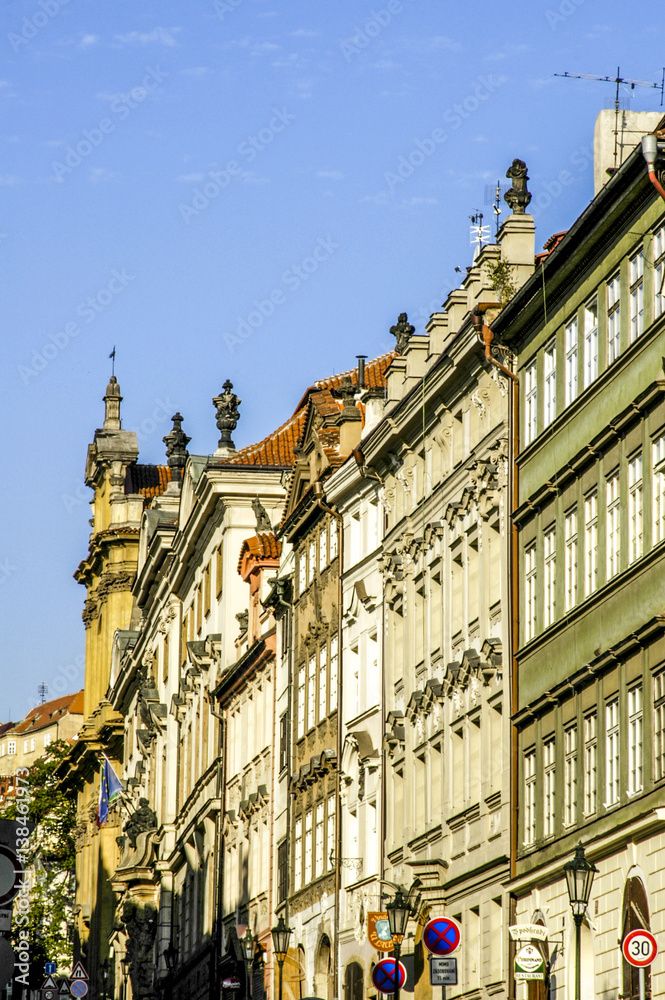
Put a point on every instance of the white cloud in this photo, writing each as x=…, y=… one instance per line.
x=160, y=36
x=420, y=201
x=195, y=71
x=444, y=42
x=331, y=175
x=9, y=180
x=305, y=33
x=194, y=178
x=87, y=41
x=100, y=175
x=265, y=47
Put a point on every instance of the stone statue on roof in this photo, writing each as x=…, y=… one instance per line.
x=517, y=197
x=227, y=405
x=261, y=514
x=176, y=442
x=402, y=332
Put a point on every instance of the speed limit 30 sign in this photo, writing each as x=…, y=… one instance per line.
x=639, y=947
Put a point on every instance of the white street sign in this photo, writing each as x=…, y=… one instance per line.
x=443, y=971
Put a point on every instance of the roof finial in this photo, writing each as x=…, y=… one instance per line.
x=176, y=442
x=112, y=401
x=112, y=355
x=226, y=405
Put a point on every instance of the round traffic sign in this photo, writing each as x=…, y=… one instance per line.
x=639, y=947
x=386, y=977
x=441, y=936
x=11, y=875
x=78, y=987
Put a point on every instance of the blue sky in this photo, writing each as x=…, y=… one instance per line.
x=175, y=175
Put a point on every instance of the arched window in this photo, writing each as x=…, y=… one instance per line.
x=635, y=914
x=353, y=982
x=323, y=972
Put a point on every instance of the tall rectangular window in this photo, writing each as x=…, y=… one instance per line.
x=590, y=763
x=570, y=559
x=297, y=855
x=659, y=726
x=570, y=777
x=634, y=508
x=530, y=581
x=311, y=559
x=571, y=360
x=302, y=571
x=658, y=489
x=318, y=841
x=333, y=673
x=549, y=553
x=612, y=752
x=659, y=272
x=308, y=846
x=333, y=540
x=283, y=742
x=323, y=546
x=613, y=525
x=613, y=318
x=323, y=683
x=590, y=342
x=283, y=871
x=635, y=780
x=636, y=275
x=529, y=797
x=531, y=400
x=549, y=779
x=311, y=692
x=590, y=543
x=550, y=383
x=330, y=832
x=300, y=727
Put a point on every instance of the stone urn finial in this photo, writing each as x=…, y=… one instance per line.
x=518, y=196
x=176, y=442
x=226, y=405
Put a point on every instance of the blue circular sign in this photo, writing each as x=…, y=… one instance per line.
x=78, y=988
x=388, y=975
x=441, y=936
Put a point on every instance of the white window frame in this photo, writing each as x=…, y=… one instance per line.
x=590, y=763
x=613, y=525
x=549, y=378
x=549, y=560
x=549, y=786
x=531, y=403
x=318, y=841
x=659, y=272
x=334, y=661
x=311, y=692
x=300, y=721
x=308, y=847
x=570, y=559
x=636, y=275
x=590, y=543
x=330, y=831
x=613, y=318
x=530, y=592
x=570, y=776
x=297, y=855
x=659, y=726
x=635, y=740
x=658, y=489
x=529, y=797
x=635, y=503
x=590, y=341
x=323, y=685
x=11, y=747
x=571, y=360
x=612, y=753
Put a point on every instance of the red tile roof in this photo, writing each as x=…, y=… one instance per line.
x=148, y=480
x=51, y=711
x=277, y=449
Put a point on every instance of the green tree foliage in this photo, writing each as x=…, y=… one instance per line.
x=50, y=858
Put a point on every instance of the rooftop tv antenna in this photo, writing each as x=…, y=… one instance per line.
x=618, y=80
x=493, y=196
x=479, y=232
x=42, y=691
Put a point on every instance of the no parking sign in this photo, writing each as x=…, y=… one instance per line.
x=388, y=975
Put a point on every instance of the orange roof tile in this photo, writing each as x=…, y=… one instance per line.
x=148, y=480
x=263, y=546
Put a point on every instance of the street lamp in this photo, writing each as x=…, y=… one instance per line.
x=248, y=948
x=104, y=969
x=280, y=945
x=125, y=963
x=171, y=957
x=399, y=911
x=579, y=878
